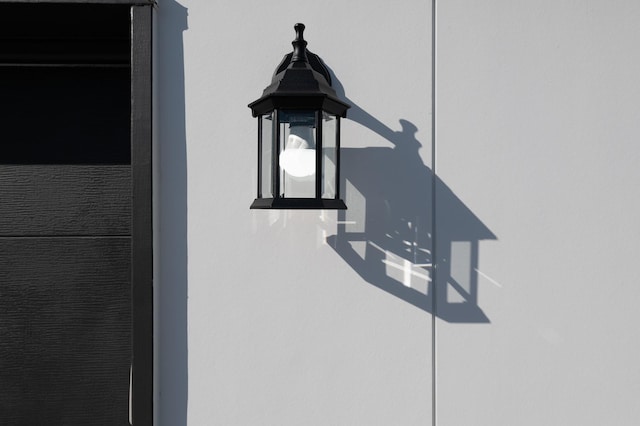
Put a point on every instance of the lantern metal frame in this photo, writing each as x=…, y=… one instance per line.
x=300, y=84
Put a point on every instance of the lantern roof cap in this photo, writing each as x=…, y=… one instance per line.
x=300, y=74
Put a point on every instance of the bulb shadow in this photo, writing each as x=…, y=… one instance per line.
x=386, y=235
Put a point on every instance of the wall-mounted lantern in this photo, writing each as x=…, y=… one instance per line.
x=299, y=135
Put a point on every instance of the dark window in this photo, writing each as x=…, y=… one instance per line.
x=65, y=84
x=65, y=115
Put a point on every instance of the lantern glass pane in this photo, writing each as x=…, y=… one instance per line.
x=329, y=128
x=297, y=153
x=266, y=157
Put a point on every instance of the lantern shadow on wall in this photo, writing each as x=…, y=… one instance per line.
x=386, y=237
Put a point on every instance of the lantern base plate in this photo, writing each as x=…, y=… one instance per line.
x=299, y=203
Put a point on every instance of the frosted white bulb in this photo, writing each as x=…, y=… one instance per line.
x=299, y=156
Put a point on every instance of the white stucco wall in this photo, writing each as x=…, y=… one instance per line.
x=278, y=328
x=325, y=318
x=539, y=124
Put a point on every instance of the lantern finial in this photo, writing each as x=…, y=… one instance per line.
x=299, y=45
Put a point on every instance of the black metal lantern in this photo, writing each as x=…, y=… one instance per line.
x=299, y=135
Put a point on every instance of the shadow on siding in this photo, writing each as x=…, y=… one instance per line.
x=386, y=235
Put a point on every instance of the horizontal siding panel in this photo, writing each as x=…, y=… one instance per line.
x=65, y=200
x=65, y=323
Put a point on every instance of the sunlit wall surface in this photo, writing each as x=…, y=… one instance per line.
x=327, y=318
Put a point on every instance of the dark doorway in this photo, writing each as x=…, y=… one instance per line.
x=67, y=245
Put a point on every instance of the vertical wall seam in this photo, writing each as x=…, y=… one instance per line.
x=434, y=258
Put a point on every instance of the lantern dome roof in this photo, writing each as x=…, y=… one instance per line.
x=301, y=81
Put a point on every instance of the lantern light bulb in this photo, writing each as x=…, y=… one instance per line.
x=298, y=158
